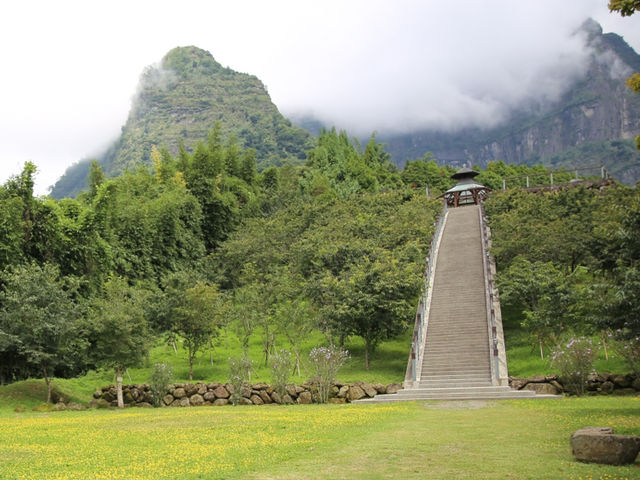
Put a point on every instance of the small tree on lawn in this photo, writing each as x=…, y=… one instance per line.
x=198, y=318
x=120, y=335
x=373, y=299
x=39, y=321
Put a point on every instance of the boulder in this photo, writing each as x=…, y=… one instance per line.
x=97, y=394
x=622, y=381
x=264, y=396
x=304, y=398
x=355, y=393
x=601, y=445
x=276, y=398
x=337, y=400
x=219, y=402
x=291, y=390
x=196, y=400
x=202, y=389
x=344, y=390
x=541, y=388
x=394, y=388
x=380, y=388
x=221, y=392
x=144, y=405
x=190, y=389
x=179, y=393
x=286, y=399
x=184, y=402
x=244, y=401
x=517, y=383
x=209, y=397
x=76, y=407
x=59, y=406
x=556, y=384
x=368, y=389
x=256, y=400
x=168, y=399
x=606, y=387
x=636, y=384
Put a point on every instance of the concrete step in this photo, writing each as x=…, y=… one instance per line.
x=461, y=395
x=454, y=377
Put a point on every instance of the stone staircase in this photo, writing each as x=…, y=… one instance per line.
x=457, y=358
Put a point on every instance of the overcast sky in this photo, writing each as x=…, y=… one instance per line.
x=70, y=69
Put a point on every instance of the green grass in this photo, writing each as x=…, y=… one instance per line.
x=388, y=365
x=523, y=439
x=523, y=352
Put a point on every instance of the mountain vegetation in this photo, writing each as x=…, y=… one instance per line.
x=178, y=102
x=200, y=250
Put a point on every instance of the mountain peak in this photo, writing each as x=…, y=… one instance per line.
x=185, y=61
x=592, y=28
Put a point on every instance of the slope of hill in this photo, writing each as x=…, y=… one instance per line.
x=181, y=99
x=596, y=120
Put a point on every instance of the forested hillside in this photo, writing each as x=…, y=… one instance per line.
x=202, y=243
x=568, y=264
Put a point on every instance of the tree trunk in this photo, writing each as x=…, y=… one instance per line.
x=190, y=366
x=47, y=380
x=297, y=366
x=119, y=387
x=366, y=354
x=541, y=350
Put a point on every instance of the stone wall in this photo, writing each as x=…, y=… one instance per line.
x=198, y=394
x=598, y=384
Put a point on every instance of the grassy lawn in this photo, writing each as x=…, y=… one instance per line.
x=388, y=365
x=479, y=440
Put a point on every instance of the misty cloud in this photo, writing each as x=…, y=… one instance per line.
x=448, y=71
x=70, y=71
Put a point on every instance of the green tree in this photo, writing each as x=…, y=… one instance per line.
x=39, y=322
x=119, y=331
x=543, y=293
x=373, y=299
x=198, y=318
x=626, y=8
x=96, y=178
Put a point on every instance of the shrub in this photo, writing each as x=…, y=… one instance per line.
x=161, y=377
x=325, y=363
x=628, y=349
x=281, y=368
x=574, y=361
x=239, y=374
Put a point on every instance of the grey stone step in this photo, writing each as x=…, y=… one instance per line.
x=454, y=376
x=467, y=395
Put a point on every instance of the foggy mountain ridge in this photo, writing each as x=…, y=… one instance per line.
x=575, y=110
x=594, y=120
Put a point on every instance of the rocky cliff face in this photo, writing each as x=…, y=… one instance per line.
x=581, y=128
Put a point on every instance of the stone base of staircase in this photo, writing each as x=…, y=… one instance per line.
x=455, y=387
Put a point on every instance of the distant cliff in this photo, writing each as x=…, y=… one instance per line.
x=595, y=121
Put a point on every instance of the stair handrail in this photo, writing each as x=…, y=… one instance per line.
x=414, y=365
x=496, y=336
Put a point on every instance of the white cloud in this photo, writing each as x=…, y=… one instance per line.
x=71, y=67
